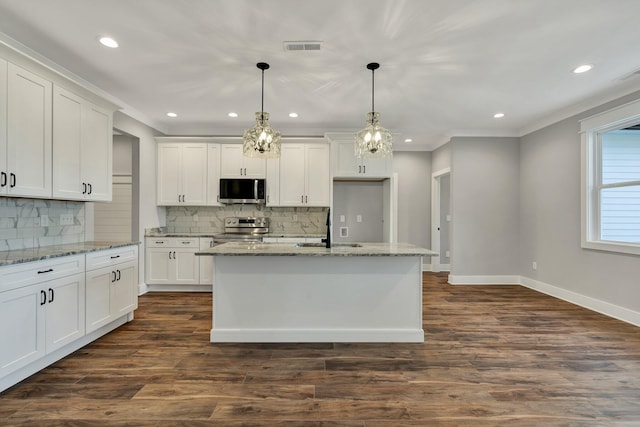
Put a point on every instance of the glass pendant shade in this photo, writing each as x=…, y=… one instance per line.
x=261, y=140
x=373, y=140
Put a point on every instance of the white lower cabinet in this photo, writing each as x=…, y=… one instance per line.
x=42, y=308
x=111, y=288
x=172, y=261
x=48, y=308
x=206, y=262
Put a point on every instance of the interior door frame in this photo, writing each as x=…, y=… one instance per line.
x=435, y=215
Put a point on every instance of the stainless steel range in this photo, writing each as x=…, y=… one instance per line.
x=243, y=229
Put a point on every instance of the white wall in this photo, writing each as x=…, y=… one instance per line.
x=414, y=197
x=149, y=214
x=123, y=154
x=550, y=220
x=441, y=158
x=353, y=198
x=484, y=203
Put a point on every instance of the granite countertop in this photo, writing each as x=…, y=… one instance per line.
x=45, y=252
x=290, y=249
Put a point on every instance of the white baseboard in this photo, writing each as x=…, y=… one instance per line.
x=429, y=267
x=602, y=307
x=142, y=288
x=317, y=335
x=484, y=280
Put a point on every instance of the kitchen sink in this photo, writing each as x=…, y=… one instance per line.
x=333, y=245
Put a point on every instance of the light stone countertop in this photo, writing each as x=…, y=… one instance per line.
x=162, y=233
x=290, y=249
x=46, y=252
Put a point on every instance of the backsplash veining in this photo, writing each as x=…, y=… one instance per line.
x=210, y=219
x=20, y=223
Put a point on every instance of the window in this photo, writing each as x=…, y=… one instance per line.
x=611, y=180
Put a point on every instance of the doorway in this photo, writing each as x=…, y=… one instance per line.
x=441, y=219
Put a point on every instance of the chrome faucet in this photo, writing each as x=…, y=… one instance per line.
x=327, y=241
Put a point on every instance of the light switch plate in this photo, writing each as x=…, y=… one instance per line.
x=344, y=231
x=66, y=219
x=358, y=218
x=44, y=221
x=342, y=218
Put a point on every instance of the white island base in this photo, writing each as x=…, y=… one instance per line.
x=317, y=299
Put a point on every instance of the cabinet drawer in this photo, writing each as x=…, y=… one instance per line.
x=173, y=242
x=111, y=257
x=29, y=273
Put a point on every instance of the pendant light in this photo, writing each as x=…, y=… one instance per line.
x=373, y=140
x=261, y=140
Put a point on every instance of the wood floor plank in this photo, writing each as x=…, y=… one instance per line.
x=492, y=356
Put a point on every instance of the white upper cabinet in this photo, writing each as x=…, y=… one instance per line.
x=82, y=155
x=213, y=174
x=305, y=174
x=234, y=164
x=3, y=127
x=26, y=168
x=182, y=173
x=347, y=165
x=273, y=182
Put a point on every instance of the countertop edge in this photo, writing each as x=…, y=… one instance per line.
x=56, y=251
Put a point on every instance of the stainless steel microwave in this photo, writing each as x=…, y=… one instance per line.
x=242, y=190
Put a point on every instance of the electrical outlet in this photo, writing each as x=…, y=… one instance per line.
x=295, y=217
x=344, y=231
x=358, y=218
x=342, y=218
x=196, y=218
x=44, y=221
x=534, y=265
x=447, y=254
x=66, y=219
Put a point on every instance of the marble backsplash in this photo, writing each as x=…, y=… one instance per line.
x=210, y=219
x=21, y=223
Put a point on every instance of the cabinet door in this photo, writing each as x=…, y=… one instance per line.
x=28, y=133
x=254, y=167
x=64, y=311
x=193, y=182
x=206, y=262
x=169, y=160
x=273, y=182
x=292, y=175
x=158, y=266
x=377, y=167
x=231, y=161
x=318, y=180
x=22, y=327
x=67, y=140
x=186, y=267
x=124, y=296
x=97, y=152
x=213, y=175
x=98, y=299
x=345, y=163
x=3, y=129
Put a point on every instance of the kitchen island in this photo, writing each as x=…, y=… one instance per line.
x=282, y=292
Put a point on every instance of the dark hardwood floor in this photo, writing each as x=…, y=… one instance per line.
x=493, y=356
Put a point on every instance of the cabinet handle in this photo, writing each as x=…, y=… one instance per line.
x=118, y=274
x=306, y=199
x=113, y=279
x=218, y=197
x=301, y=199
x=245, y=171
x=364, y=169
x=160, y=242
x=51, y=295
x=169, y=254
x=240, y=171
x=45, y=271
x=359, y=169
x=43, y=297
x=90, y=189
x=84, y=188
x=3, y=179
x=211, y=244
x=118, y=256
x=186, y=243
x=12, y=179
x=174, y=254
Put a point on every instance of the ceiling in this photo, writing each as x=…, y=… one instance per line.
x=446, y=65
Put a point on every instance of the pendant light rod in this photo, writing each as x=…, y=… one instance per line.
x=263, y=66
x=373, y=66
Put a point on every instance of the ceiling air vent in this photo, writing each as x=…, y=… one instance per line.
x=301, y=46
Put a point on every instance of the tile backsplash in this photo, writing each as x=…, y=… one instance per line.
x=210, y=219
x=21, y=223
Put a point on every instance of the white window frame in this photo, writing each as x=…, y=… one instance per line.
x=591, y=130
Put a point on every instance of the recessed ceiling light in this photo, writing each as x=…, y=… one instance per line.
x=172, y=115
x=408, y=140
x=293, y=115
x=232, y=114
x=498, y=115
x=108, y=42
x=582, y=69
